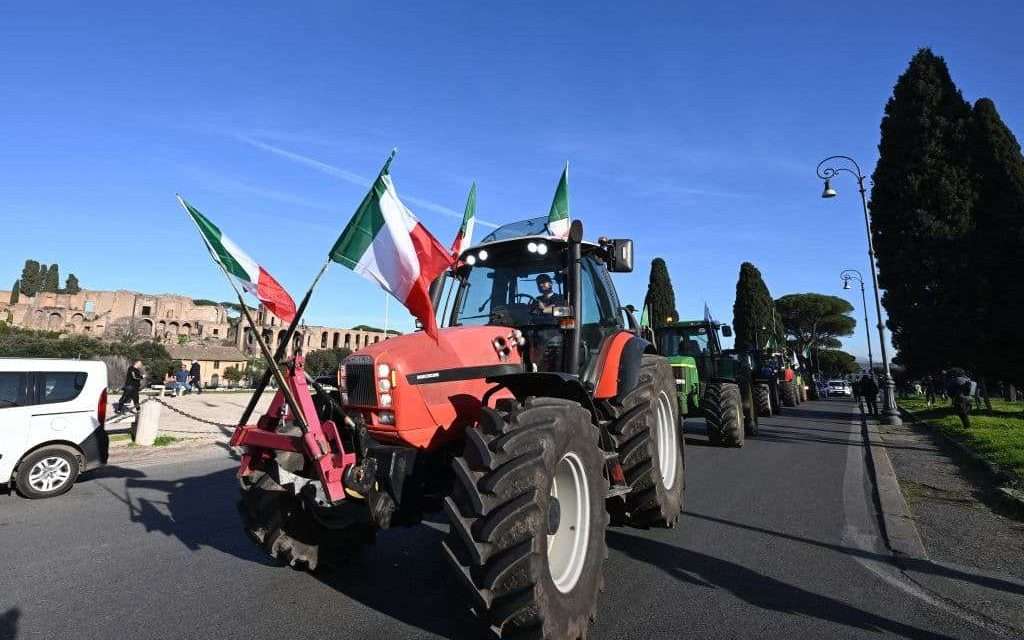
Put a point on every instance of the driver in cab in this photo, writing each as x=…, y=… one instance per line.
x=547, y=298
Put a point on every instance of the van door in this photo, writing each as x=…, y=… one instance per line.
x=15, y=419
x=56, y=415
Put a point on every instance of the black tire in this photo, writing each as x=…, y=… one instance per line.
x=723, y=414
x=501, y=510
x=750, y=423
x=278, y=521
x=776, y=401
x=52, y=470
x=642, y=414
x=763, y=399
x=788, y=392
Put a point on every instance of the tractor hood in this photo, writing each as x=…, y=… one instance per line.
x=437, y=386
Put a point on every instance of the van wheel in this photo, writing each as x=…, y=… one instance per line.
x=48, y=472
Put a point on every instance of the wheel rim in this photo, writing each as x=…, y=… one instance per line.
x=667, y=438
x=567, y=546
x=739, y=418
x=49, y=474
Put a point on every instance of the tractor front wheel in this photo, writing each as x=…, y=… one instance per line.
x=763, y=399
x=723, y=414
x=788, y=392
x=650, y=445
x=528, y=518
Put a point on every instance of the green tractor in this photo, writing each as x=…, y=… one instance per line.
x=710, y=380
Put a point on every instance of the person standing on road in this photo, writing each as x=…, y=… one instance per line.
x=194, y=377
x=869, y=389
x=132, y=385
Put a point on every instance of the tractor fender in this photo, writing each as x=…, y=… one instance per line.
x=543, y=385
x=618, y=364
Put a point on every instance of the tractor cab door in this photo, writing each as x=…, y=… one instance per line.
x=599, y=315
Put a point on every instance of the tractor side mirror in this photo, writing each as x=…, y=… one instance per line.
x=620, y=256
x=726, y=331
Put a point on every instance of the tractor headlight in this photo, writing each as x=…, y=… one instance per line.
x=542, y=248
x=383, y=370
x=385, y=399
x=482, y=255
x=386, y=417
x=384, y=385
x=471, y=260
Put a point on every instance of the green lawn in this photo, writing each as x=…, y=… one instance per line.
x=997, y=435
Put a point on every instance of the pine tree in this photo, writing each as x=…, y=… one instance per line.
x=71, y=285
x=14, y=292
x=52, y=282
x=753, y=313
x=661, y=298
x=997, y=291
x=30, y=278
x=921, y=214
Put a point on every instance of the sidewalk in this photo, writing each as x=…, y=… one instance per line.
x=974, y=542
x=207, y=416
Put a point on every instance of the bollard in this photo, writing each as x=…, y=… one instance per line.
x=145, y=430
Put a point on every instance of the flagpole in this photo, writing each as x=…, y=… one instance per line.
x=281, y=348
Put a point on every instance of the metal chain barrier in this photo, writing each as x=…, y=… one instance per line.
x=128, y=416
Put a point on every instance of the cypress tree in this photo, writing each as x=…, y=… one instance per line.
x=71, y=285
x=921, y=212
x=30, y=278
x=753, y=312
x=14, y=292
x=52, y=282
x=661, y=298
x=997, y=295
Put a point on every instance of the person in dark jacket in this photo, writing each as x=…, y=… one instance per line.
x=194, y=377
x=869, y=389
x=132, y=385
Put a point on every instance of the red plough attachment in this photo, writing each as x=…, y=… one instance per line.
x=320, y=442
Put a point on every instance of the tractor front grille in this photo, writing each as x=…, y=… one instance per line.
x=359, y=382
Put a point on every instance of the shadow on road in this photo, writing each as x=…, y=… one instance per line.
x=924, y=566
x=755, y=588
x=9, y=623
x=200, y=511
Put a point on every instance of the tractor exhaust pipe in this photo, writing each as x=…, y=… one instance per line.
x=572, y=354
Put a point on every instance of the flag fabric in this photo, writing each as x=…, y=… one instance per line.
x=385, y=243
x=558, y=217
x=464, y=238
x=707, y=313
x=253, y=277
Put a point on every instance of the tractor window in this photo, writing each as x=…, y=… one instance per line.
x=689, y=341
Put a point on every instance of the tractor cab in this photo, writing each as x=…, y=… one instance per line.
x=695, y=353
x=556, y=293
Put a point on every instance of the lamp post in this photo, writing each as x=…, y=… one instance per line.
x=853, y=274
x=827, y=169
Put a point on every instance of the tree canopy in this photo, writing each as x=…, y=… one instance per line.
x=834, y=363
x=753, y=312
x=814, y=321
x=660, y=300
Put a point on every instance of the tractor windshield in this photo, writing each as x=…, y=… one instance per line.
x=510, y=285
x=682, y=341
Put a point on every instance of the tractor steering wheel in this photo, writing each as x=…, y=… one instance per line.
x=529, y=299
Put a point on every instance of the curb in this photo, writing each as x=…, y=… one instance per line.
x=899, y=528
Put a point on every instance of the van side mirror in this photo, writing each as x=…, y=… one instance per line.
x=620, y=256
x=726, y=331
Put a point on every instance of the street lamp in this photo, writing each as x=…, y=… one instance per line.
x=827, y=169
x=853, y=274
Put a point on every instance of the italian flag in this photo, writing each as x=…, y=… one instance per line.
x=558, y=217
x=385, y=243
x=254, y=278
x=464, y=237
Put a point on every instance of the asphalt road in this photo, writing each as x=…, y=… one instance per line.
x=779, y=540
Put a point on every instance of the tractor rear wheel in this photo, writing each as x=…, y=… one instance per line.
x=650, y=445
x=750, y=424
x=723, y=414
x=528, y=518
x=278, y=521
x=763, y=399
x=788, y=392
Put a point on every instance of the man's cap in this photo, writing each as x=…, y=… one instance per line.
x=543, y=278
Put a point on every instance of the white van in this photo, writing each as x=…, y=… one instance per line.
x=52, y=415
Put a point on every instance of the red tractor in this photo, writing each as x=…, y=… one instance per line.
x=538, y=417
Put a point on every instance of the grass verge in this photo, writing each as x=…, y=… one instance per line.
x=996, y=435
x=163, y=441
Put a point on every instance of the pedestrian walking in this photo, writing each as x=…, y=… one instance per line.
x=869, y=389
x=194, y=377
x=858, y=394
x=132, y=385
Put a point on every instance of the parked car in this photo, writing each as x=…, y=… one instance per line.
x=840, y=388
x=52, y=415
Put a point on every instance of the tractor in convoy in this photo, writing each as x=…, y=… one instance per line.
x=776, y=383
x=710, y=380
x=537, y=418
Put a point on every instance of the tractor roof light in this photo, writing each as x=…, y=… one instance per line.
x=482, y=255
x=471, y=260
x=542, y=249
x=531, y=247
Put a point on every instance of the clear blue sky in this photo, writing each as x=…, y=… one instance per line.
x=693, y=127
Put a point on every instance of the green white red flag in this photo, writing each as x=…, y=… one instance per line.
x=464, y=238
x=385, y=243
x=253, y=277
x=558, y=217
